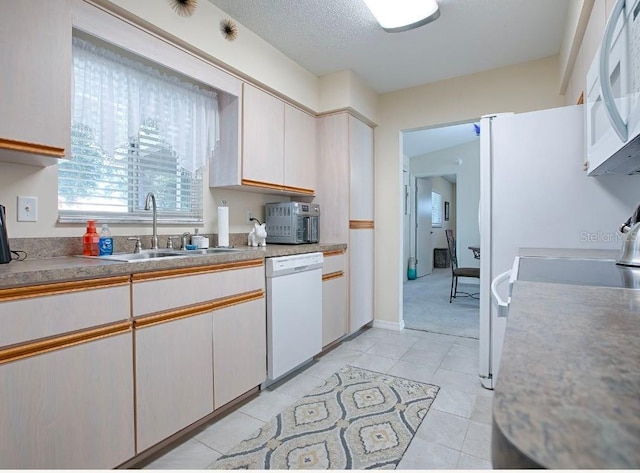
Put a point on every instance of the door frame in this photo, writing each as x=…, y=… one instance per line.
x=427, y=260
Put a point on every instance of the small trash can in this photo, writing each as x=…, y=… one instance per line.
x=411, y=268
x=441, y=258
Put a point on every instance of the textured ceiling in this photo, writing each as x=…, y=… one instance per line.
x=326, y=36
x=417, y=143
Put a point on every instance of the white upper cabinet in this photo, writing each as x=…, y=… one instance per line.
x=263, y=137
x=299, y=149
x=361, y=173
x=277, y=150
x=35, y=80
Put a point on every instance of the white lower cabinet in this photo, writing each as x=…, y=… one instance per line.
x=69, y=408
x=334, y=297
x=174, y=376
x=91, y=389
x=239, y=350
x=361, y=271
x=200, y=342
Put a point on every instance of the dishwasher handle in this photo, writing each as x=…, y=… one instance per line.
x=503, y=307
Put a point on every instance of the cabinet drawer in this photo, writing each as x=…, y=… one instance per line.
x=334, y=262
x=29, y=313
x=165, y=291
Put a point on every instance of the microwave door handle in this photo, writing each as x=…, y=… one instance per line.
x=613, y=113
x=306, y=226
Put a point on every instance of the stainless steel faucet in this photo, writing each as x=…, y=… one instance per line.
x=152, y=198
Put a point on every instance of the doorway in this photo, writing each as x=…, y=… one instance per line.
x=442, y=173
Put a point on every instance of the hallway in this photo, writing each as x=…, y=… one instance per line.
x=426, y=305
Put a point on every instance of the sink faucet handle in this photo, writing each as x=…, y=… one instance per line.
x=138, y=247
x=169, y=242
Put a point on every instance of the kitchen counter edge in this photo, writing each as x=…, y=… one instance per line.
x=69, y=268
x=566, y=391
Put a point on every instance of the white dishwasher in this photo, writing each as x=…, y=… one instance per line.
x=294, y=312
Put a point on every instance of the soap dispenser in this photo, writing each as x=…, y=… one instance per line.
x=91, y=240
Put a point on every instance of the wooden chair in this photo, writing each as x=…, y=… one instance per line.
x=457, y=272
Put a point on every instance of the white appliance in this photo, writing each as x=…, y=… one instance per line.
x=613, y=95
x=294, y=312
x=534, y=194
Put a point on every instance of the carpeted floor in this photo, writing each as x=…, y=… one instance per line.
x=358, y=419
x=426, y=306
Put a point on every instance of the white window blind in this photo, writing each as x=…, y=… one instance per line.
x=134, y=130
x=436, y=209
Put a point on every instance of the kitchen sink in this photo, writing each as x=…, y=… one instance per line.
x=149, y=255
x=212, y=251
x=144, y=255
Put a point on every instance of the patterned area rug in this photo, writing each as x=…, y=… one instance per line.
x=358, y=419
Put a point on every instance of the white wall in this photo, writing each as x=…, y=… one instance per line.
x=445, y=189
x=467, y=198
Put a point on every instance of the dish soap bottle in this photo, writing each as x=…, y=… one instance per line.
x=106, y=241
x=90, y=240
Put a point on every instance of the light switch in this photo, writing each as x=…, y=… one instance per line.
x=27, y=209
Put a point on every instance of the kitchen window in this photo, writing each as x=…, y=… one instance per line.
x=136, y=128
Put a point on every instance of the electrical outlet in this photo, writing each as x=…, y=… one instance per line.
x=27, y=209
x=249, y=216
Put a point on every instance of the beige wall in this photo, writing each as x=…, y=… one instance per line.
x=248, y=54
x=520, y=88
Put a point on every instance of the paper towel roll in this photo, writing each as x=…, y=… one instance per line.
x=223, y=226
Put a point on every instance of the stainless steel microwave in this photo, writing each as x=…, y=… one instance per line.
x=292, y=223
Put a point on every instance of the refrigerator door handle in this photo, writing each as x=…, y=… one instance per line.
x=613, y=113
x=503, y=307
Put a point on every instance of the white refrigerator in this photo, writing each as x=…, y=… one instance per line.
x=535, y=194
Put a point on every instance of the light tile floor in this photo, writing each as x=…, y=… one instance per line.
x=455, y=434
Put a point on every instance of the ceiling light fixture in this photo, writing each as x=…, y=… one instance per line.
x=402, y=15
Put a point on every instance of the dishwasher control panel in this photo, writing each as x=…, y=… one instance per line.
x=289, y=264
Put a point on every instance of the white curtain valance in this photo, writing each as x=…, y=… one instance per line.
x=114, y=96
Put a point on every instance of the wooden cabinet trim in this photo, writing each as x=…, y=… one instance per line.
x=329, y=253
x=27, y=292
x=360, y=224
x=8, y=355
x=190, y=311
x=298, y=190
x=31, y=148
x=171, y=273
x=266, y=185
x=278, y=187
x=335, y=275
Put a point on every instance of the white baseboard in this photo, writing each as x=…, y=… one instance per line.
x=396, y=326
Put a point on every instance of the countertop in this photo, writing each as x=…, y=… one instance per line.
x=569, y=253
x=568, y=391
x=68, y=268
